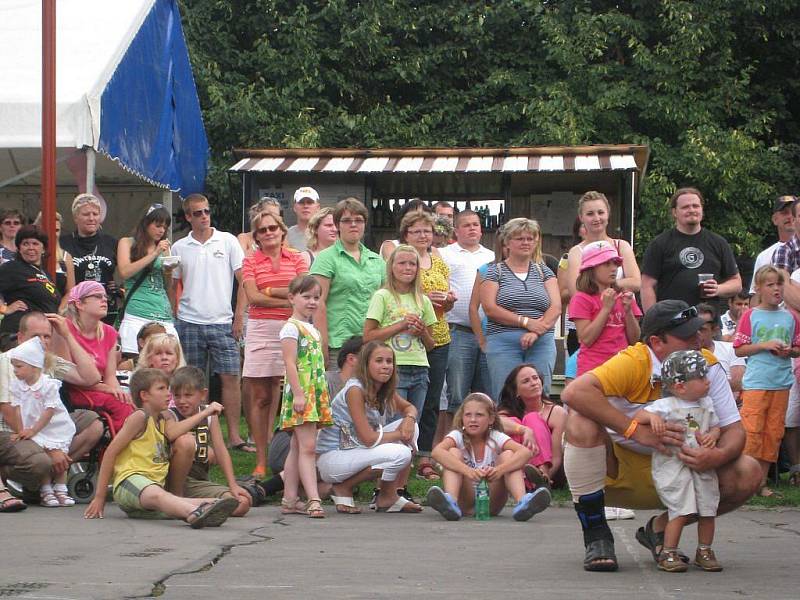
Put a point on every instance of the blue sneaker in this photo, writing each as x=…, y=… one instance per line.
x=531, y=503
x=443, y=503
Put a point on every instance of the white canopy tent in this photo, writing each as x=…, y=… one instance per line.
x=127, y=114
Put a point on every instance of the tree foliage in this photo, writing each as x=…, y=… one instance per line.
x=710, y=85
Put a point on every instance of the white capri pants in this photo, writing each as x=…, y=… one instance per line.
x=336, y=466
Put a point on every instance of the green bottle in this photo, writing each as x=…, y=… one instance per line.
x=482, y=501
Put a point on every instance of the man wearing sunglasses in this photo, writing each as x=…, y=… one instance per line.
x=607, y=456
x=210, y=260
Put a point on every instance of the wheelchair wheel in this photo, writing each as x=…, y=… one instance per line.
x=81, y=483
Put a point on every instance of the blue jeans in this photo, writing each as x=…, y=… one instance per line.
x=437, y=358
x=467, y=370
x=505, y=353
x=412, y=385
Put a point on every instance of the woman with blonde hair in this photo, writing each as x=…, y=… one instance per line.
x=520, y=297
x=321, y=233
x=266, y=275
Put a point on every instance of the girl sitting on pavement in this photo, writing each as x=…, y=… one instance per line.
x=138, y=461
x=478, y=449
x=42, y=417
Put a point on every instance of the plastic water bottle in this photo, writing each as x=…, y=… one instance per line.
x=482, y=501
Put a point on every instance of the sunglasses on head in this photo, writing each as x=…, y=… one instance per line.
x=682, y=317
x=266, y=228
x=201, y=211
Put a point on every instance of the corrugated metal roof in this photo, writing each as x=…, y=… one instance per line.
x=442, y=164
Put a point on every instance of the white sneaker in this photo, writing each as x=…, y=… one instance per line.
x=615, y=513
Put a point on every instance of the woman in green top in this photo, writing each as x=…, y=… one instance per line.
x=148, y=281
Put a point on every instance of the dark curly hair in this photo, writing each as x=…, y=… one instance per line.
x=30, y=232
x=510, y=402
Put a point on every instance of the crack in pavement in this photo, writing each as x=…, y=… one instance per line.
x=784, y=527
x=160, y=586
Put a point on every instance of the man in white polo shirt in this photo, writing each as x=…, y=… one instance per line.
x=466, y=367
x=210, y=260
x=306, y=203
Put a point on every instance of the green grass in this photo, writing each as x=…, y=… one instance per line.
x=243, y=464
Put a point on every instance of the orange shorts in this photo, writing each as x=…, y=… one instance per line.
x=763, y=417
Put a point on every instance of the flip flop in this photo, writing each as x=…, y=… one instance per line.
x=345, y=505
x=243, y=447
x=531, y=503
x=12, y=505
x=443, y=503
x=401, y=505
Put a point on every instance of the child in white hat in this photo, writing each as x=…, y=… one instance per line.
x=43, y=418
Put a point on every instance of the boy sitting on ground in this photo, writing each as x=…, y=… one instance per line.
x=190, y=394
x=138, y=460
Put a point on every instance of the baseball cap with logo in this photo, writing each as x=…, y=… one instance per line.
x=306, y=192
x=674, y=317
x=683, y=365
x=782, y=202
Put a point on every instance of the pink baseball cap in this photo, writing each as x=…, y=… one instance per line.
x=83, y=289
x=598, y=253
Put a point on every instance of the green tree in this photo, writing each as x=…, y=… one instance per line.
x=709, y=85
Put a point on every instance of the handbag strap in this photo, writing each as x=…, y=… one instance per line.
x=136, y=284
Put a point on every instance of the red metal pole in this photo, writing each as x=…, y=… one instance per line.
x=49, y=130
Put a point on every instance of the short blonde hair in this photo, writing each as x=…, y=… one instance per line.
x=415, y=216
x=191, y=199
x=761, y=275
x=82, y=200
x=255, y=223
x=523, y=225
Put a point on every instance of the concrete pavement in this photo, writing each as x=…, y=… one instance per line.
x=55, y=553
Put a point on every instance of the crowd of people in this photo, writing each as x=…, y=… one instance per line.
x=432, y=357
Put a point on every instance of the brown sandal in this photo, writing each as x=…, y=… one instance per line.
x=314, y=509
x=293, y=507
x=707, y=560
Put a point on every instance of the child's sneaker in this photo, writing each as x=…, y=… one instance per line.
x=670, y=561
x=706, y=560
x=64, y=499
x=48, y=499
x=531, y=503
x=443, y=503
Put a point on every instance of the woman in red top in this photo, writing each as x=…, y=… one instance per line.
x=266, y=274
x=87, y=306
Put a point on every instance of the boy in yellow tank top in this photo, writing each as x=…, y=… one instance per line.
x=138, y=459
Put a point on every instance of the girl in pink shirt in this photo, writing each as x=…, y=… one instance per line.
x=606, y=319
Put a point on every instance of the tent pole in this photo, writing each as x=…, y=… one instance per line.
x=49, y=129
x=166, y=200
x=91, y=158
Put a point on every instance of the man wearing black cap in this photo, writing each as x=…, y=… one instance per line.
x=607, y=455
x=787, y=258
x=783, y=218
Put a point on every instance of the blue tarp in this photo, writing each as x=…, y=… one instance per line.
x=150, y=115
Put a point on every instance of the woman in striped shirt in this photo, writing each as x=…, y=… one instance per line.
x=522, y=303
x=266, y=274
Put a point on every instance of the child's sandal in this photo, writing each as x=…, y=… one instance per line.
x=293, y=507
x=707, y=560
x=64, y=499
x=314, y=509
x=49, y=500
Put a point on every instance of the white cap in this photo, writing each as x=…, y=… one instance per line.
x=306, y=192
x=30, y=352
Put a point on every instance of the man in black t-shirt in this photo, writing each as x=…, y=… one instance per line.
x=688, y=262
x=94, y=253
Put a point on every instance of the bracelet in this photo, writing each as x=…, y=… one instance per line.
x=409, y=417
x=380, y=437
x=525, y=322
x=267, y=291
x=631, y=429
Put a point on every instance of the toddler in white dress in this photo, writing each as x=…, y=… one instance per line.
x=43, y=418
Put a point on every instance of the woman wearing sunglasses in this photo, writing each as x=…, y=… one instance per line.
x=266, y=274
x=143, y=264
x=10, y=222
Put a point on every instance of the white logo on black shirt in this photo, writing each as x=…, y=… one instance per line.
x=691, y=257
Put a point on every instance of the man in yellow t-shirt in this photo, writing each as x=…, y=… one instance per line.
x=607, y=455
